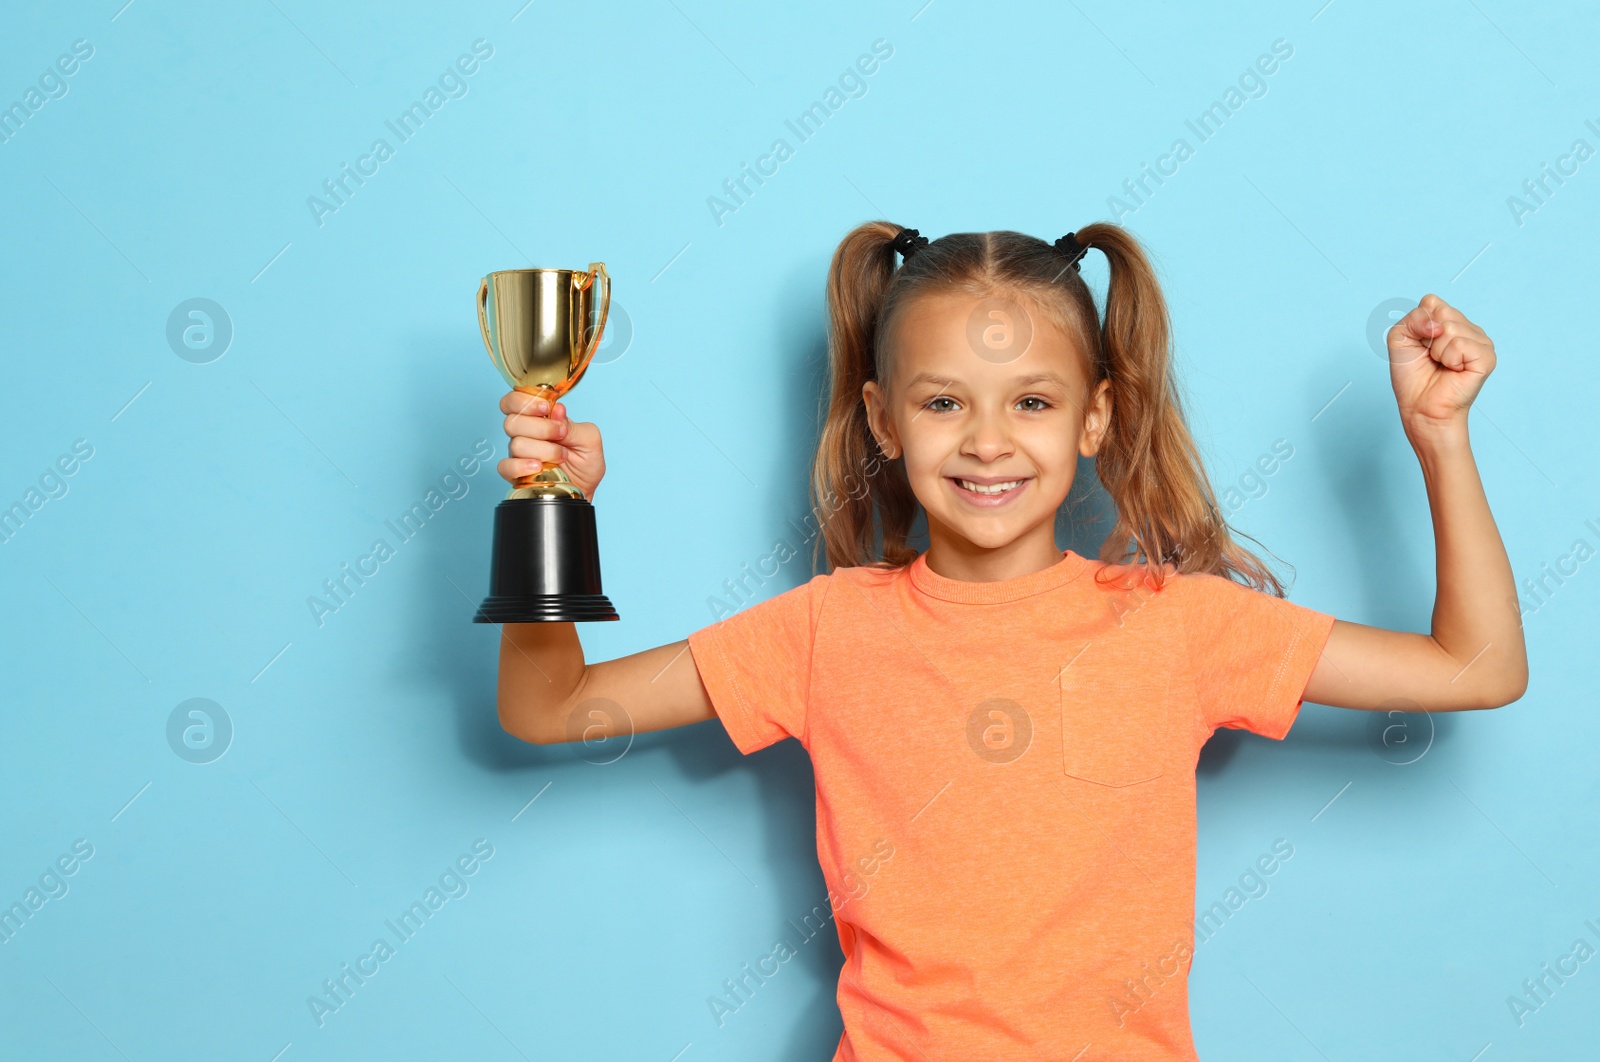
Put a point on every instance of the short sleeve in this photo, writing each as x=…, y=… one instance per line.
x=756, y=665
x=1251, y=654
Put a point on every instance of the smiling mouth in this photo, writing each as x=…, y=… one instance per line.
x=990, y=488
x=987, y=492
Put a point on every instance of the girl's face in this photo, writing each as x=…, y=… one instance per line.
x=990, y=405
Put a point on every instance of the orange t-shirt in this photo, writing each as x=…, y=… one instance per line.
x=1006, y=790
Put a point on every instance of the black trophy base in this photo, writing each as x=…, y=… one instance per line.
x=545, y=567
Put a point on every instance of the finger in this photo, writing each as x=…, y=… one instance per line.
x=1442, y=311
x=1464, y=338
x=1447, y=352
x=1455, y=349
x=537, y=449
x=1466, y=352
x=1419, y=326
x=535, y=427
x=522, y=402
x=513, y=468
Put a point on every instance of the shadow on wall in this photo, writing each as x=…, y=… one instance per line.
x=783, y=773
x=1364, y=463
x=443, y=648
x=1088, y=515
x=1367, y=463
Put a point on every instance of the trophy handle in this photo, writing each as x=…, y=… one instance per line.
x=483, y=321
x=580, y=282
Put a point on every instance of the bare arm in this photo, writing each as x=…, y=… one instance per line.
x=546, y=692
x=1475, y=656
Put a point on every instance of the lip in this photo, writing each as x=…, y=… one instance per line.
x=988, y=501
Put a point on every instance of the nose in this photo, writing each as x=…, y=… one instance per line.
x=988, y=436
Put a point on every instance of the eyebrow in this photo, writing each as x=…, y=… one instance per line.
x=1018, y=381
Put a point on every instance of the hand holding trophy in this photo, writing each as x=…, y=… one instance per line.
x=537, y=435
x=545, y=565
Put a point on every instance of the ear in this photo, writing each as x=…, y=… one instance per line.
x=1096, y=419
x=878, y=419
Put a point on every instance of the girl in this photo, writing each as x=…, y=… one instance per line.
x=1004, y=733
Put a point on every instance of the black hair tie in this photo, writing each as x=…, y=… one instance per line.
x=1069, y=246
x=908, y=242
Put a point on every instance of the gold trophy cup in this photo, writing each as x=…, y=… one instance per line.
x=545, y=567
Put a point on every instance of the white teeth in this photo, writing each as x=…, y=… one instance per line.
x=996, y=488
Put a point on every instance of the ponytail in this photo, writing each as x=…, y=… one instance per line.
x=1165, y=507
x=854, y=488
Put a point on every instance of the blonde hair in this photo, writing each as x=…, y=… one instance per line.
x=1166, y=511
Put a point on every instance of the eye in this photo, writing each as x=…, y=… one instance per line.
x=1043, y=403
x=939, y=398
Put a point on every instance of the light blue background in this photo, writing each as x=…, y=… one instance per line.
x=366, y=755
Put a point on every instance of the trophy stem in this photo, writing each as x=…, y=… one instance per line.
x=551, y=481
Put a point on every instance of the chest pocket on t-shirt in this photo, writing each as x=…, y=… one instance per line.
x=1116, y=723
